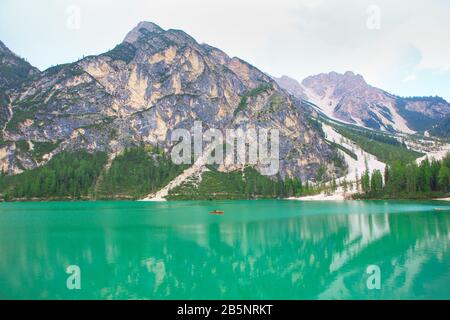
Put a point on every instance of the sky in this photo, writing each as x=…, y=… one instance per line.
x=402, y=47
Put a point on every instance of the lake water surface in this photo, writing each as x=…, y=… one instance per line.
x=263, y=249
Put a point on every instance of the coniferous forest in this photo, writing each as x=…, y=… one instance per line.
x=82, y=175
x=142, y=170
x=67, y=175
x=410, y=180
x=240, y=184
x=136, y=173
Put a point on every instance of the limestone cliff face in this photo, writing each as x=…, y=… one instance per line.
x=349, y=98
x=152, y=83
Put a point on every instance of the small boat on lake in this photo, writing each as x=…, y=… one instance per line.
x=216, y=212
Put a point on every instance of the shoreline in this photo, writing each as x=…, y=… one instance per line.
x=316, y=197
x=321, y=197
x=442, y=199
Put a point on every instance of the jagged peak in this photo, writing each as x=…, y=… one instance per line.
x=348, y=76
x=287, y=79
x=134, y=34
x=145, y=27
x=351, y=74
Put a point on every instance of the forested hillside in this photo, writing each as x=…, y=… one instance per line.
x=66, y=176
x=408, y=180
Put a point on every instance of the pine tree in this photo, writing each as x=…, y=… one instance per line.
x=411, y=172
x=357, y=181
x=365, y=182
x=386, y=177
x=435, y=168
x=376, y=183
x=333, y=186
x=444, y=178
x=344, y=186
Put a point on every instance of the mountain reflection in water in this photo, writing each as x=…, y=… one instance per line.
x=258, y=250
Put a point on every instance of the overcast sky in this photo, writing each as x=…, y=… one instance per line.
x=400, y=46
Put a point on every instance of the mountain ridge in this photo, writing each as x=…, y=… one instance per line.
x=150, y=84
x=349, y=98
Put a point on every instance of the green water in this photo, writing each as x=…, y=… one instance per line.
x=269, y=249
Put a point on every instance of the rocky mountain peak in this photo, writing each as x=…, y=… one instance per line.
x=151, y=84
x=335, y=79
x=148, y=38
x=288, y=80
x=355, y=78
x=141, y=29
x=291, y=85
x=350, y=98
x=351, y=74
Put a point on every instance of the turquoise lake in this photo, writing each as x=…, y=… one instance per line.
x=261, y=249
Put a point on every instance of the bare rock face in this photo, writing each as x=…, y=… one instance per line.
x=13, y=70
x=349, y=98
x=155, y=81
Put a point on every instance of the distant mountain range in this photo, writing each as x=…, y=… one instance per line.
x=349, y=98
